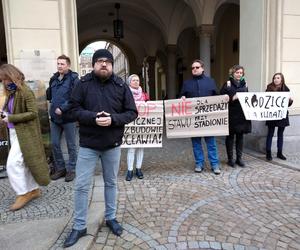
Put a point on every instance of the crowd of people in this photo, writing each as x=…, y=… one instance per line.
x=102, y=103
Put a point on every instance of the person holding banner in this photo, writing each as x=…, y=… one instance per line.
x=277, y=84
x=238, y=125
x=138, y=95
x=199, y=86
x=27, y=167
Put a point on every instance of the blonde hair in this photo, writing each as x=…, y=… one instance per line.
x=12, y=73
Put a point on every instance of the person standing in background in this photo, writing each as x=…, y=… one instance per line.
x=277, y=84
x=238, y=125
x=59, y=92
x=138, y=95
x=199, y=86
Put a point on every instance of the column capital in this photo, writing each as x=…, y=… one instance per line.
x=205, y=30
x=151, y=59
x=171, y=48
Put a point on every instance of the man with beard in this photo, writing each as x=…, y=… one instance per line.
x=102, y=103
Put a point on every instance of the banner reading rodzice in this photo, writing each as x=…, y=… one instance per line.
x=146, y=130
x=197, y=117
x=264, y=106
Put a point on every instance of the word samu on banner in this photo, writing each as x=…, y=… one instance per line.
x=146, y=130
x=264, y=106
x=197, y=117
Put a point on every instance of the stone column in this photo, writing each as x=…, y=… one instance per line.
x=205, y=32
x=171, y=76
x=151, y=76
x=31, y=36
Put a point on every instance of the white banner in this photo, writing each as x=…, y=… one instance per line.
x=264, y=106
x=146, y=131
x=197, y=117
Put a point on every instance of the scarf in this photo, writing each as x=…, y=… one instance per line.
x=137, y=94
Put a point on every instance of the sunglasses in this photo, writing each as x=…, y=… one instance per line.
x=196, y=67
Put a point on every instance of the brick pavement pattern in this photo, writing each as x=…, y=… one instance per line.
x=257, y=207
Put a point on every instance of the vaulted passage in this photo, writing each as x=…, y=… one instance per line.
x=161, y=38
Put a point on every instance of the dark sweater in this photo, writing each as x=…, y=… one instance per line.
x=198, y=86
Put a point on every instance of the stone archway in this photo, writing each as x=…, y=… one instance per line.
x=225, y=51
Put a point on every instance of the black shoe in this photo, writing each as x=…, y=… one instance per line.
x=269, y=155
x=240, y=162
x=115, y=227
x=74, y=236
x=139, y=173
x=281, y=156
x=70, y=176
x=58, y=174
x=129, y=175
x=230, y=163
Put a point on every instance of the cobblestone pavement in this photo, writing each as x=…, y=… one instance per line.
x=56, y=201
x=257, y=207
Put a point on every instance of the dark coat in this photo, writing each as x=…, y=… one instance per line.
x=198, y=86
x=112, y=96
x=26, y=122
x=285, y=121
x=237, y=120
x=59, y=95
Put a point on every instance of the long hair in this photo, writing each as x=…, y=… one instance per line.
x=12, y=73
x=282, y=86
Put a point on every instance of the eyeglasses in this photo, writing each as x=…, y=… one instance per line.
x=196, y=67
x=101, y=61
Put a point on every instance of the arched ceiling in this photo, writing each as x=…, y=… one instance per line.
x=149, y=25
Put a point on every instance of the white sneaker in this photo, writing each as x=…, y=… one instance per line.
x=198, y=169
x=217, y=171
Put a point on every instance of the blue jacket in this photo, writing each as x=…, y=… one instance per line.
x=60, y=95
x=198, y=86
x=92, y=96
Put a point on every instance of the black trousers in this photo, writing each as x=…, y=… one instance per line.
x=279, y=138
x=229, y=141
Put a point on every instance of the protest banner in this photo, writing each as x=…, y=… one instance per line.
x=146, y=130
x=264, y=106
x=196, y=117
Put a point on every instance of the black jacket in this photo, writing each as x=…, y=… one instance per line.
x=285, y=121
x=198, y=86
x=92, y=96
x=237, y=120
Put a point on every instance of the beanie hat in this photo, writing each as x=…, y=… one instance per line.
x=102, y=53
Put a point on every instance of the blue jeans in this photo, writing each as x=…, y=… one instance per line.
x=87, y=159
x=70, y=135
x=212, y=151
